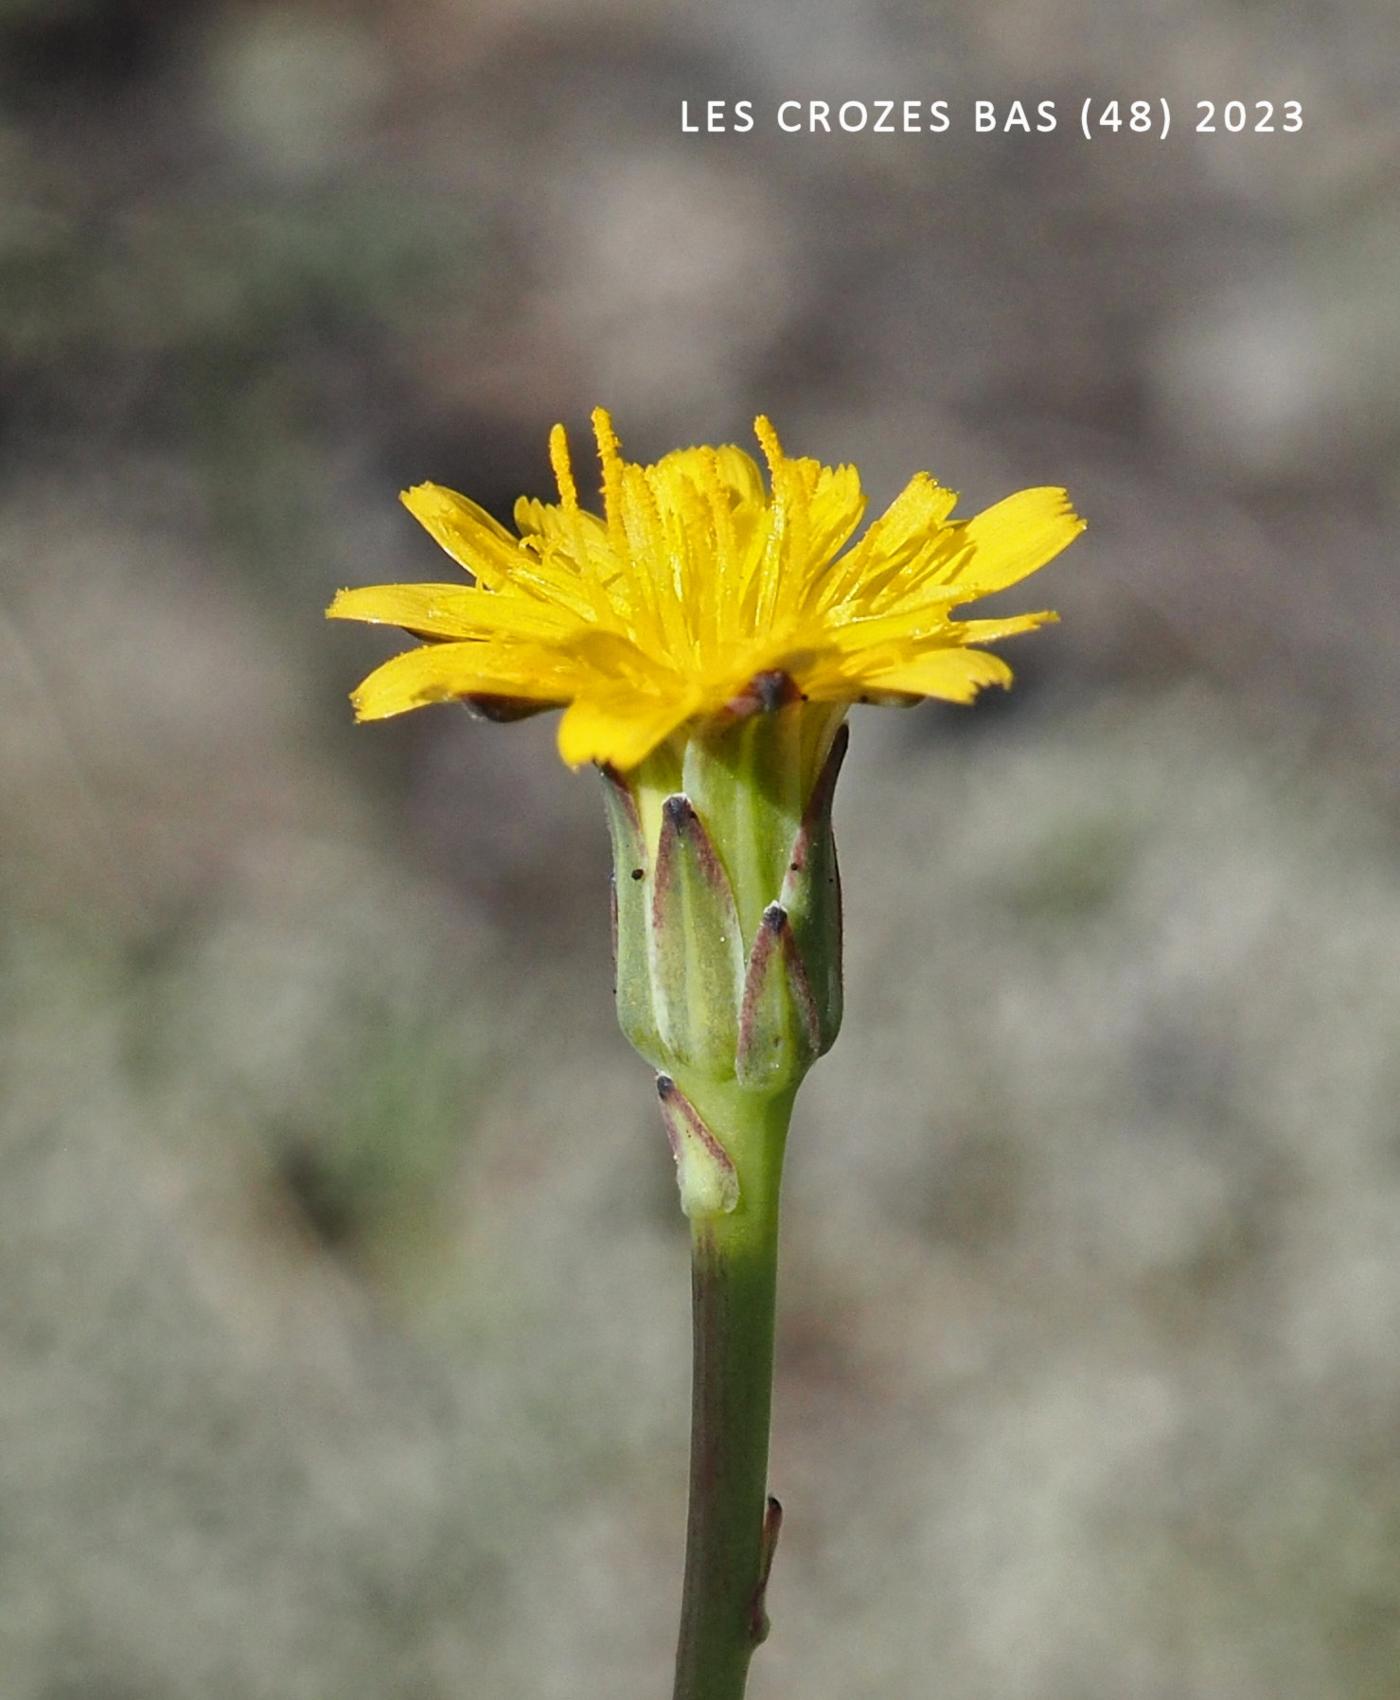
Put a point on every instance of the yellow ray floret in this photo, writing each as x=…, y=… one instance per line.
x=695, y=579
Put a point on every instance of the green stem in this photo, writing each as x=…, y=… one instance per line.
x=734, y=1282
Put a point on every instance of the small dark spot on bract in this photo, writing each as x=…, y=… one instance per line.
x=794, y=867
x=638, y=873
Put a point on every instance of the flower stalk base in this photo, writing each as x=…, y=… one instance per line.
x=733, y=1520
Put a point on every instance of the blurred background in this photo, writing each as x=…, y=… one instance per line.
x=343, y=1338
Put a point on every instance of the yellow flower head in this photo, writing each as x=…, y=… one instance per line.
x=698, y=593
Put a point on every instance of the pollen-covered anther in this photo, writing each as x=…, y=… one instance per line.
x=562, y=467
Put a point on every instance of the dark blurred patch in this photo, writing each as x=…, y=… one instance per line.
x=64, y=48
x=493, y=459
x=334, y=1208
